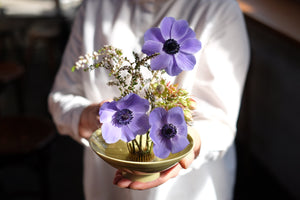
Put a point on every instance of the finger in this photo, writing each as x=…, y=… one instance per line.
x=164, y=177
x=187, y=161
x=97, y=123
x=118, y=177
x=120, y=181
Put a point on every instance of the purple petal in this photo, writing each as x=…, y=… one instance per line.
x=139, y=124
x=153, y=34
x=161, y=61
x=162, y=146
x=179, y=29
x=166, y=26
x=157, y=117
x=134, y=103
x=190, y=46
x=108, y=105
x=159, y=146
x=110, y=133
x=127, y=134
x=184, y=61
x=126, y=101
x=168, y=144
x=173, y=69
x=160, y=151
x=175, y=116
x=151, y=47
x=189, y=34
x=178, y=143
x=182, y=130
x=155, y=134
x=140, y=105
x=106, y=115
x=106, y=111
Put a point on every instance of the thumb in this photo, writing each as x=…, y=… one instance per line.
x=187, y=161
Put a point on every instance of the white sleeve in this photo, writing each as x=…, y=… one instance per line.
x=218, y=86
x=66, y=100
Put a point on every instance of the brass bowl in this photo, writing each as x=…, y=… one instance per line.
x=117, y=156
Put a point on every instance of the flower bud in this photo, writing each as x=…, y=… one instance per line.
x=192, y=104
x=183, y=102
x=160, y=88
x=188, y=115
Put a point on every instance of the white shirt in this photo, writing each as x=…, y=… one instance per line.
x=216, y=82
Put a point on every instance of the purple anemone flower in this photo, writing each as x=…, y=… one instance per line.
x=168, y=131
x=124, y=119
x=175, y=42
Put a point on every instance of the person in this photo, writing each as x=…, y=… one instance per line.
x=216, y=82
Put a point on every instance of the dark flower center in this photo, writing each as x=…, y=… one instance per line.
x=122, y=117
x=171, y=46
x=168, y=131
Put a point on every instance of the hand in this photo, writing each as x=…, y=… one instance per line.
x=165, y=175
x=89, y=120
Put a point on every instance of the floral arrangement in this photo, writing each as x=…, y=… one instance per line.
x=150, y=115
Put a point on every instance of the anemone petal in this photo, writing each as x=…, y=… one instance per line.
x=139, y=124
x=173, y=69
x=140, y=106
x=189, y=34
x=151, y=47
x=160, y=151
x=127, y=101
x=161, y=61
x=186, y=62
x=178, y=143
x=106, y=115
x=110, y=133
x=134, y=103
x=179, y=29
x=175, y=116
x=157, y=117
x=127, y=134
x=182, y=130
x=153, y=34
x=166, y=27
x=190, y=46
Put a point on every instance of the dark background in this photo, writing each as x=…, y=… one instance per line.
x=268, y=127
x=268, y=134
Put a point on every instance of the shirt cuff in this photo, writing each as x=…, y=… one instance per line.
x=216, y=137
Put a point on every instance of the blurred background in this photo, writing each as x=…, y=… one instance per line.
x=38, y=163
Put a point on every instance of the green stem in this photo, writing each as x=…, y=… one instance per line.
x=136, y=142
x=141, y=141
x=154, y=78
x=129, y=147
x=147, y=141
x=133, y=147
